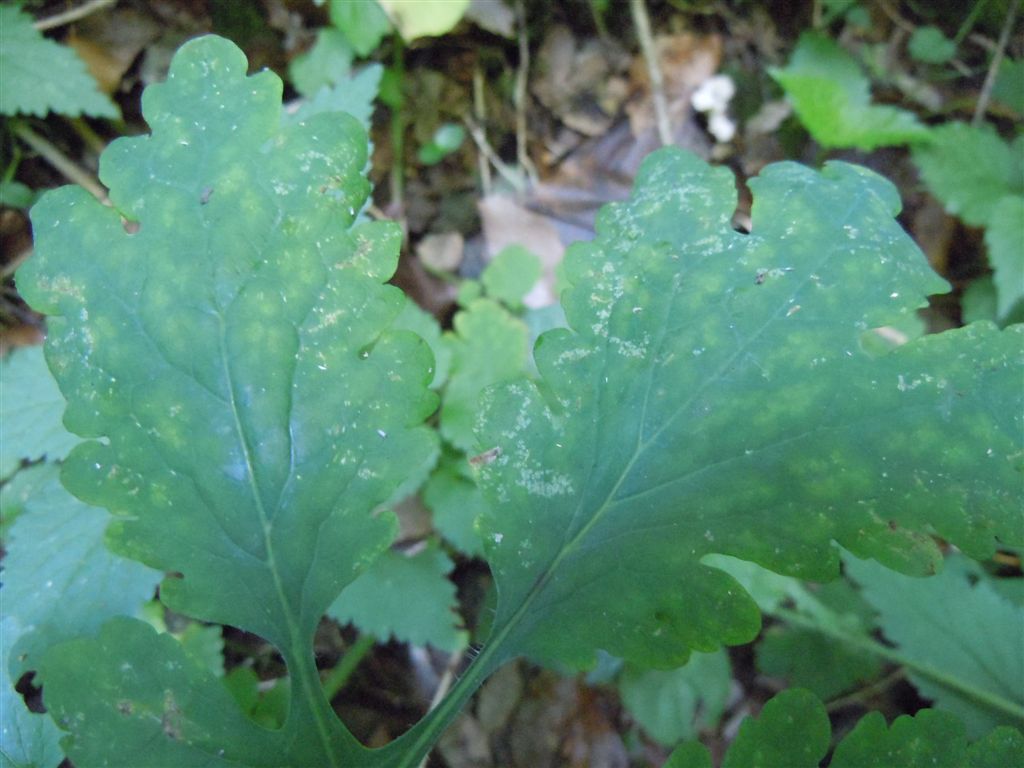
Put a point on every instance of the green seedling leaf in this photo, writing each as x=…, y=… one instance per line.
x=38, y=76
x=363, y=24
x=354, y=94
x=511, y=275
x=446, y=139
x=1009, y=87
x=231, y=348
x=456, y=503
x=14, y=194
x=970, y=169
x=832, y=98
x=30, y=409
x=406, y=598
x=676, y=704
x=327, y=63
x=488, y=346
x=1005, y=241
x=961, y=629
x=711, y=396
x=929, y=45
x=793, y=731
x=424, y=18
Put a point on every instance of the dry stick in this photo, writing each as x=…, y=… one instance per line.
x=73, y=14
x=61, y=162
x=643, y=32
x=509, y=174
x=480, y=112
x=444, y=685
x=993, y=70
x=895, y=17
x=519, y=96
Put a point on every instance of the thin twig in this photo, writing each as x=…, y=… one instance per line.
x=500, y=166
x=895, y=17
x=522, y=76
x=857, y=697
x=643, y=32
x=445, y=684
x=61, y=162
x=993, y=69
x=73, y=14
x=480, y=112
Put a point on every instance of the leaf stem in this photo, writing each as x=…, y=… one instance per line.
x=338, y=676
x=397, y=176
x=412, y=747
x=869, y=645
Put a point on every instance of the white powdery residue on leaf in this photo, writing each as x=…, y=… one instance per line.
x=628, y=348
x=903, y=385
x=544, y=482
x=574, y=354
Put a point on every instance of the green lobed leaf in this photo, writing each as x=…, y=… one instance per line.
x=929, y=739
x=405, y=597
x=969, y=169
x=712, y=397
x=832, y=97
x=964, y=630
x=364, y=24
x=1005, y=241
x=327, y=63
x=792, y=730
x=354, y=94
x=672, y=705
x=38, y=76
x=30, y=409
x=232, y=349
